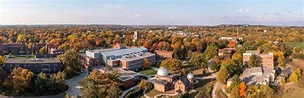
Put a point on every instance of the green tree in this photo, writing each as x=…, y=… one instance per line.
x=235, y=92
x=197, y=59
x=211, y=51
x=255, y=61
x=222, y=74
x=235, y=82
x=179, y=53
x=41, y=84
x=71, y=62
x=101, y=85
x=58, y=81
x=171, y=64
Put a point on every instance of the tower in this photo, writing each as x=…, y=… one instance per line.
x=136, y=36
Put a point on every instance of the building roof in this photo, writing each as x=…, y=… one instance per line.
x=185, y=81
x=123, y=51
x=145, y=55
x=163, y=51
x=31, y=60
x=161, y=82
x=162, y=71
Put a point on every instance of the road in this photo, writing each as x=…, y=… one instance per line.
x=74, y=88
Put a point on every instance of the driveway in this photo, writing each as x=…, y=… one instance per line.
x=74, y=88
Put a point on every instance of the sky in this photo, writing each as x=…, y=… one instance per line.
x=153, y=12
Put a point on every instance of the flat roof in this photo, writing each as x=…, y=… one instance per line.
x=138, y=57
x=31, y=60
x=123, y=51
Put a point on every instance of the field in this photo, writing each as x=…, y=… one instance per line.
x=292, y=91
x=295, y=44
x=149, y=72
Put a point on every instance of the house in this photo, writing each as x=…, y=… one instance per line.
x=184, y=84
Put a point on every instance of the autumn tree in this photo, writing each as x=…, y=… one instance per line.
x=222, y=74
x=171, y=64
x=255, y=61
x=294, y=77
x=21, y=38
x=20, y=80
x=147, y=63
x=144, y=84
x=101, y=85
x=42, y=50
x=42, y=84
x=242, y=90
x=1, y=60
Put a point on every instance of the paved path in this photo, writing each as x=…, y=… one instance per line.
x=74, y=88
x=212, y=76
x=214, y=89
x=166, y=95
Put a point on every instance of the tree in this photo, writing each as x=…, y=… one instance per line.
x=237, y=55
x=235, y=92
x=101, y=85
x=1, y=60
x=179, y=53
x=294, y=77
x=144, y=84
x=146, y=62
x=255, y=61
x=70, y=60
x=42, y=50
x=281, y=62
x=242, y=90
x=21, y=38
x=197, y=59
x=235, y=82
x=211, y=51
x=58, y=81
x=222, y=75
x=171, y=64
x=42, y=84
x=21, y=79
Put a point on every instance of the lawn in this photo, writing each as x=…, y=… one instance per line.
x=295, y=44
x=150, y=72
x=293, y=92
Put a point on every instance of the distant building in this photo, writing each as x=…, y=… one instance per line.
x=165, y=82
x=163, y=54
x=267, y=59
x=225, y=51
x=14, y=48
x=35, y=65
x=136, y=36
x=127, y=58
x=50, y=48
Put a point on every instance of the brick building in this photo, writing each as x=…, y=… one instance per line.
x=35, y=65
x=267, y=59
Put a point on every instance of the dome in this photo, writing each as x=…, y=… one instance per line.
x=162, y=71
x=190, y=76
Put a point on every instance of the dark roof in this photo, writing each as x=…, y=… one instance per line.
x=31, y=60
x=185, y=81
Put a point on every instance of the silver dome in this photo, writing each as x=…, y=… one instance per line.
x=162, y=71
x=190, y=76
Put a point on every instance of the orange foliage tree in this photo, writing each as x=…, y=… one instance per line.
x=242, y=90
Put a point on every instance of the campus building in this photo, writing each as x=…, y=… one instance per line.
x=50, y=48
x=165, y=82
x=163, y=54
x=118, y=56
x=225, y=51
x=35, y=65
x=267, y=59
x=14, y=48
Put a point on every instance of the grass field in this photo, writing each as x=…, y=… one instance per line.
x=149, y=72
x=295, y=44
x=294, y=92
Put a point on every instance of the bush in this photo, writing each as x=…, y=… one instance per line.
x=134, y=93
